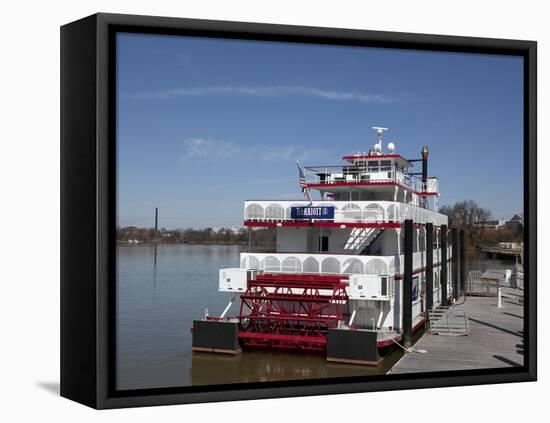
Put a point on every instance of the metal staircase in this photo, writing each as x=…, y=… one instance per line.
x=448, y=321
x=361, y=239
x=367, y=248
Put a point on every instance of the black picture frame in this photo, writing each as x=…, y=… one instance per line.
x=88, y=209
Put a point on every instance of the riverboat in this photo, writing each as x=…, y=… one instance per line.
x=353, y=272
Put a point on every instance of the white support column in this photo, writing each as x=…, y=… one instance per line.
x=228, y=306
x=352, y=316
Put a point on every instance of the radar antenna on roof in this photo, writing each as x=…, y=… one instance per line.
x=379, y=132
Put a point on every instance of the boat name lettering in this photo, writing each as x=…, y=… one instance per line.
x=312, y=212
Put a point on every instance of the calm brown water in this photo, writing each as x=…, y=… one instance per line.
x=156, y=305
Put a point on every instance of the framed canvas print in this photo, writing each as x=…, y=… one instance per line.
x=255, y=211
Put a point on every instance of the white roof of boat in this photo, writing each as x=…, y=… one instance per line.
x=394, y=157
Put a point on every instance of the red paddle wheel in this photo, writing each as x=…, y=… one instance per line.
x=291, y=311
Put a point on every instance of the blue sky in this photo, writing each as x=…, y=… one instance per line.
x=204, y=124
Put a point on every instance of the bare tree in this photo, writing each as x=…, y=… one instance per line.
x=468, y=215
x=465, y=214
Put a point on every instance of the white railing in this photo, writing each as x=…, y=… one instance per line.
x=432, y=185
x=320, y=175
x=329, y=175
x=345, y=211
x=337, y=264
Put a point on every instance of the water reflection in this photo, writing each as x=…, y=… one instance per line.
x=481, y=262
x=210, y=369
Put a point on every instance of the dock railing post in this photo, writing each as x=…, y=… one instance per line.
x=454, y=261
x=407, y=284
x=462, y=262
x=443, y=273
x=429, y=266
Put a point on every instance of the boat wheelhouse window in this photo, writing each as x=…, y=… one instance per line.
x=385, y=165
x=373, y=165
x=323, y=243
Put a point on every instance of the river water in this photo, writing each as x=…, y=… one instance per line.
x=162, y=289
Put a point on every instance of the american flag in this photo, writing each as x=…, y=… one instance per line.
x=302, y=180
x=303, y=184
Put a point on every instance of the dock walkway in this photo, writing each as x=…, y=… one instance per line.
x=495, y=339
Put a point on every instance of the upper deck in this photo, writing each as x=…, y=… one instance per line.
x=369, y=172
x=352, y=214
x=375, y=175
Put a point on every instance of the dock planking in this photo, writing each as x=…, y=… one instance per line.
x=495, y=339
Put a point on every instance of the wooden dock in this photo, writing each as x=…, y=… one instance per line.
x=495, y=339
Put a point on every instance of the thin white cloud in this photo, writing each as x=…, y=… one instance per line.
x=278, y=91
x=213, y=149
x=201, y=148
x=267, y=152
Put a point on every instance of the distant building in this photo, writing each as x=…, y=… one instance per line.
x=501, y=224
x=233, y=229
x=514, y=223
x=490, y=224
x=133, y=233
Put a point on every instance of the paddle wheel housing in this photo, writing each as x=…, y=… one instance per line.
x=291, y=311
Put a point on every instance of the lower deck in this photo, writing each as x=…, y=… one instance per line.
x=348, y=317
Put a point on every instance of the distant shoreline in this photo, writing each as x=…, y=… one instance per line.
x=225, y=236
x=161, y=242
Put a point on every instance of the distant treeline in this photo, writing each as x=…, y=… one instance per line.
x=263, y=237
x=465, y=215
x=475, y=221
